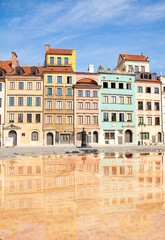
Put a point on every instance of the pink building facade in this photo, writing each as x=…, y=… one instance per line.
x=86, y=105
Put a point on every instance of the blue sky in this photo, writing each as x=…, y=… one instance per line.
x=99, y=30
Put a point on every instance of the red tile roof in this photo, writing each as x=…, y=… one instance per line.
x=59, y=51
x=6, y=65
x=59, y=69
x=27, y=70
x=134, y=57
x=87, y=81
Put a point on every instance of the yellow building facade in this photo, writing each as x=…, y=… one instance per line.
x=58, y=96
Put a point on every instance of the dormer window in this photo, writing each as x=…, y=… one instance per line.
x=18, y=71
x=153, y=76
x=34, y=71
x=145, y=76
x=2, y=72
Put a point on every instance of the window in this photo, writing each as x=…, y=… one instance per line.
x=157, y=121
x=140, y=105
x=105, y=117
x=21, y=85
x=153, y=76
x=0, y=86
x=49, y=119
x=11, y=117
x=34, y=136
x=95, y=119
x=58, y=104
x=148, y=105
x=29, y=101
x=113, y=85
x=29, y=117
x=112, y=135
x=0, y=102
x=148, y=90
x=80, y=93
x=59, y=119
x=59, y=91
x=105, y=99
x=69, y=119
x=156, y=90
x=49, y=79
x=87, y=119
x=68, y=104
x=105, y=84
x=20, y=117
x=87, y=93
x=144, y=135
x=11, y=101
x=38, y=101
x=129, y=117
x=51, y=60
x=113, y=99
x=69, y=80
x=95, y=105
x=59, y=60
x=29, y=85
x=69, y=92
x=49, y=91
x=136, y=68
x=121, y=117
x=20, y=101
x=49, y=104
x=142, y=69
x=121, y=85
x=11, y=86
x=129, y=86
x=20, y=170
x=59, y=79
x=80, y=105
x=66, y=60
x=121, y=100
x=137, y=75
x=113, y=117
x=140, y=121
x=129, y=100
x=94, y=93
x=129, y=67
x=87, y=105
x=140, y=89
x=38, y=85
x=38, y=118
x=149, y=120
x=80, y=119
x=156, y=106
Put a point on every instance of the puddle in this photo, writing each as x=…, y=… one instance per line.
x=109, y=196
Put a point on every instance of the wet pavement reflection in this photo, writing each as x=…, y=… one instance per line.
x=109, y=196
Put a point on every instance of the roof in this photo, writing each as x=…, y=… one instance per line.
x=27, y=70
x=86, y=81
x=6, y=65
x=59, y=69
x=134, y=57
x=59, y=51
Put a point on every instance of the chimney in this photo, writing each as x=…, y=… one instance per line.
x=47, y=47
x=91, y=68
x=14, y=60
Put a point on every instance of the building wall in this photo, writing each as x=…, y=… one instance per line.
x=71, y=58
x=162, y=79
x=25, y=128
x=118, y=128
x=144, y=97
x=54, y=126
x=2, y=108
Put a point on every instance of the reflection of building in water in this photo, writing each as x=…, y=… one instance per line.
x=80, y=196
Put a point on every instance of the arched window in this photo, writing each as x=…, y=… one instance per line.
x=34, y=71
x=34, y=136
x=18, y=71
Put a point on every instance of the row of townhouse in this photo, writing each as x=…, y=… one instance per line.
x=50, y=105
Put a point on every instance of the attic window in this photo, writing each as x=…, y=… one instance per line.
x=34, y=71
x=18, y=71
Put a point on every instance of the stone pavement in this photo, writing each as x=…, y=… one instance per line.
x=15, y=152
